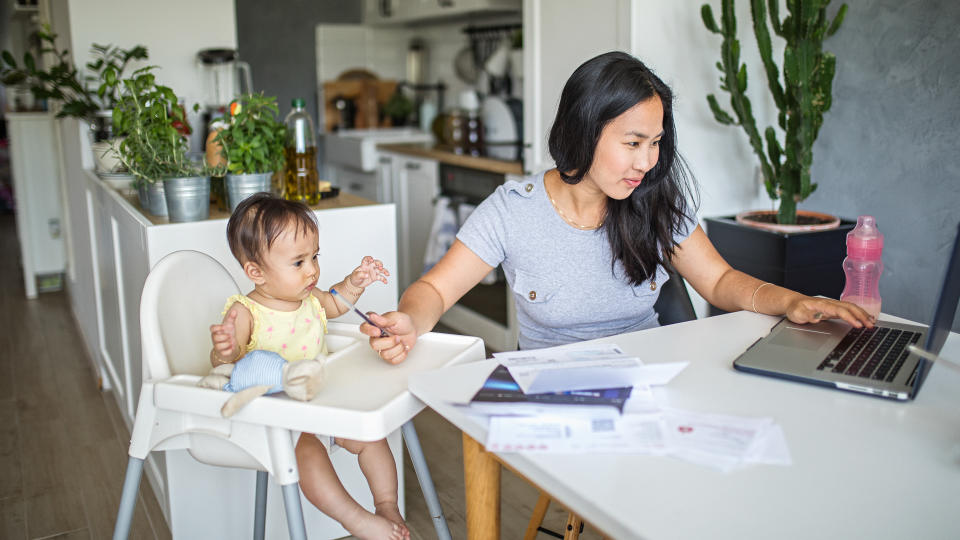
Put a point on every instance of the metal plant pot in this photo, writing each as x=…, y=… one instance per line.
x=241, y=186
x=188, y=198
x=152, y=198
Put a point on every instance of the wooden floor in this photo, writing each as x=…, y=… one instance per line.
x=63, y=443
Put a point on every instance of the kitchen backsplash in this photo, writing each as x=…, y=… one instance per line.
x=383, y=51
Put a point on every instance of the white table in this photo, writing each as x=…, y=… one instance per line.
x=863, y=467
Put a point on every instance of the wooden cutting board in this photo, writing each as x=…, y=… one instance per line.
x=368, y=95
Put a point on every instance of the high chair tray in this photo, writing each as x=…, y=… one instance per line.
x=363, y=397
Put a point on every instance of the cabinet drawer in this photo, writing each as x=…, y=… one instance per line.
x=359, y=183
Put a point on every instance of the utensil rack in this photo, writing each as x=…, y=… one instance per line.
x=484, y=39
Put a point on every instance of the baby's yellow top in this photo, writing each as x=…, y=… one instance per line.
x=294, y=335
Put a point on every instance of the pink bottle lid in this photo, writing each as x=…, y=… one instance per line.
x=865, y=241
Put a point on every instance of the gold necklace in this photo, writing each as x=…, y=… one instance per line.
x=567, y=219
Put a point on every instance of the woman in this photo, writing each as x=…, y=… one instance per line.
x=583, y=246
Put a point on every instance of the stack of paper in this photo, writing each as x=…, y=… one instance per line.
x=596, y=399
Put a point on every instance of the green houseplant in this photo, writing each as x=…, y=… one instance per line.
x=154, y=150
x=802, y=97
x=252, y=143
x=106, y=73
x=808, y=262
x=60, y=82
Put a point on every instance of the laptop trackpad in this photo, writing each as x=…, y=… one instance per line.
x=800, y=339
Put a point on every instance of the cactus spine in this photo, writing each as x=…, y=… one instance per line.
x=802, y=98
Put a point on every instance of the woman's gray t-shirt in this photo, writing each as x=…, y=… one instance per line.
x=560, y=276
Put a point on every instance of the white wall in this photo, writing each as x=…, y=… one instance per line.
x=671, y=39
x=172, y=30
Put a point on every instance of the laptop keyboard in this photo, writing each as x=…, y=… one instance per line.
x=871, y=353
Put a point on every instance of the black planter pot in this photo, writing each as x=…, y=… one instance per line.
x=806, y=262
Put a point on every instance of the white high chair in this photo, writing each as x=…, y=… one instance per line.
x=364, y=398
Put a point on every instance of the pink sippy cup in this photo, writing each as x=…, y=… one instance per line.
x=863, y=265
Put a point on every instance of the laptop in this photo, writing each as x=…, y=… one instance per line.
x=872, y=361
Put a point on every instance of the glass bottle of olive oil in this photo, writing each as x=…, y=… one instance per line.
x=301, y=180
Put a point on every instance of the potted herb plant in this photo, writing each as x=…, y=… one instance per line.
x=154, y=150
x=60, y=82
x=106, y=72
x=252, y=143
x=782, y=250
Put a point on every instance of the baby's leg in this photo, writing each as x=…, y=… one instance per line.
x=380, y=469
x=321, y=486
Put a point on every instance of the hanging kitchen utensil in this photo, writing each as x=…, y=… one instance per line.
x=465, y=67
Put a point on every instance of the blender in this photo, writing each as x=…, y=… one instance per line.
x=223, y=77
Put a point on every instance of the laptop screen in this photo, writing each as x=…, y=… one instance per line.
x=944, y=312
x=947, y=305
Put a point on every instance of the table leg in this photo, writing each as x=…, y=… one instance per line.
x=481, y=473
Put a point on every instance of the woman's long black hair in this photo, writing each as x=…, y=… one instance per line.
x=641, y=227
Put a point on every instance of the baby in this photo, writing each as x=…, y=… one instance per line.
x=276, y=242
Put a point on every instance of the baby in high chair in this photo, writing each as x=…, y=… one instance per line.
x=276, y=242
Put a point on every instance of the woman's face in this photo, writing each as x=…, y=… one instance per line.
x=628, y=148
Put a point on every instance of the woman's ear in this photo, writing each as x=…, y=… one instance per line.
x=254, y=272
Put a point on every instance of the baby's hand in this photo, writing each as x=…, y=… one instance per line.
x=369, y=271
x=224, y=337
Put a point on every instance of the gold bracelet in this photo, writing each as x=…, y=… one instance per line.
x=753, y=299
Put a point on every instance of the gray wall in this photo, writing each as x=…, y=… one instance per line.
x=888, y=146
x=277, y=39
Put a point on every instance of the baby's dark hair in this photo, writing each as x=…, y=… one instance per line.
x=259, y=219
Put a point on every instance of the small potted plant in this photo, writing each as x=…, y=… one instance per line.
x=60, y=82
x=150, y=121
x=252, y=144
x=107, y=71
x=783, y=250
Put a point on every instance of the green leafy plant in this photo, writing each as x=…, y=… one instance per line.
x=253, y=139
x=146, y=118
x=398, y=107
x=109, y=66
x=802, y=98
x=60, y=82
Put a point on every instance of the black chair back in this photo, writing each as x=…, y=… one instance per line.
x=674, y=303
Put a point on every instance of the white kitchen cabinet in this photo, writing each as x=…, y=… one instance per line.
x=35, y=167
x=359, y=183
x=407, y=11
x=416, y=185
x=550, y=56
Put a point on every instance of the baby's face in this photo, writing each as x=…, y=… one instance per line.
x=290, y=266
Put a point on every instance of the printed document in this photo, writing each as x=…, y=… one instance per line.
x=634, y=433
x=583, y=367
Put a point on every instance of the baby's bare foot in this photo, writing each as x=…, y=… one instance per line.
x=392, y=513
x=373, y=527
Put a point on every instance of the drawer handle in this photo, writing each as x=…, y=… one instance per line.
x=356, y=187
x=413, y=166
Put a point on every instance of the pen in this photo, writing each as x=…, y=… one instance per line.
x=383, y=333
x=922, y=353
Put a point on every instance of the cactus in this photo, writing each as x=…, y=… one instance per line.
x=802, y=98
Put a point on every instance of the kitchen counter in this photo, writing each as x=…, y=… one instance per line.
x=431, y=151
x=343, y=200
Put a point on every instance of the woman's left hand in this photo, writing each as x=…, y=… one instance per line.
x=809, y=309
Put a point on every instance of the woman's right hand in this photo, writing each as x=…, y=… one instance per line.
x=392, y=349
